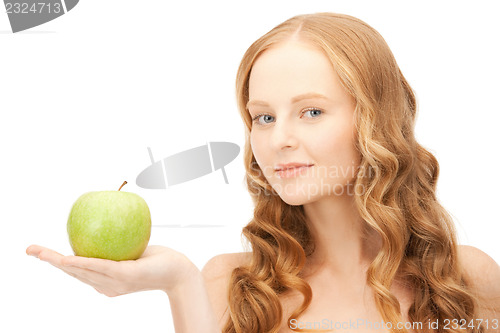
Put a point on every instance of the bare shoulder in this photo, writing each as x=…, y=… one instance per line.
x=216, y=274
x=479, y=268
x=483, y=275
x=223, y=264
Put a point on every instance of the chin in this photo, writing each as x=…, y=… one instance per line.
x=301, y=194
x=296, y=192
x=296, y=199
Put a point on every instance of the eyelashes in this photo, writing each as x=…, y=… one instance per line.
x=317, y=112
x=257, y=117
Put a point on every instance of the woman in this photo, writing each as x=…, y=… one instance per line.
x=347, y=231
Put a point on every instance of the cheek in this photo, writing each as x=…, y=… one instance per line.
x=263, y=155
x=335, y=153
x=254, y=144
x=258, y=149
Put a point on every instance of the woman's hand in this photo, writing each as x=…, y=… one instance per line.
x=159, y=268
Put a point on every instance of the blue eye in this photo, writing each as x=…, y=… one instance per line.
x=267, y=118
x=313, y=112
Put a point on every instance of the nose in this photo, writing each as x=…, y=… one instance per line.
x=284, y=136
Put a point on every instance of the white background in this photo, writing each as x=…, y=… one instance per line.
x=83, y=96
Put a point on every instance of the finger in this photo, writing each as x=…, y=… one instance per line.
x=87, y=276
x=49, y=256
x=95, y=278
x=58, y=260
x=81, y=278
x=100, y=289
x=103, y=266
x=35, y=250
x=100, y=282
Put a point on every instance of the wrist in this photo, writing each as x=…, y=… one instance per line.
x=190, y=305
x=191, y=280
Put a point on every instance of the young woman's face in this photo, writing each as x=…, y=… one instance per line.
x=302, y=114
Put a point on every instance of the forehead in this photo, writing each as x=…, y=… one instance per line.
x=292, y=68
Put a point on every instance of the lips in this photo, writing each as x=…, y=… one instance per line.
x=280, y=167
x=291, y=169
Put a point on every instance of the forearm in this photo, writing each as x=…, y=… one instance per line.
x=191, y=308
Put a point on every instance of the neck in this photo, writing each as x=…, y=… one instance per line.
x=343, y=244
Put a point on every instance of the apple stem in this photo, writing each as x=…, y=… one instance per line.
x=125, y=182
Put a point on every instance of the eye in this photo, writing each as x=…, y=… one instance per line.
x=314, y=113
x=267, y=119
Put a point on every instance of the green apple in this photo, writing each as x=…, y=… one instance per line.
x=110, y=225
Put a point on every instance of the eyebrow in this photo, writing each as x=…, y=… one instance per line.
x=294, y=100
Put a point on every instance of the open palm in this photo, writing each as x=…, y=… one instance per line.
x=159, y=268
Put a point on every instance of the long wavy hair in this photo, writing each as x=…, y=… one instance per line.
x=418, y=240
